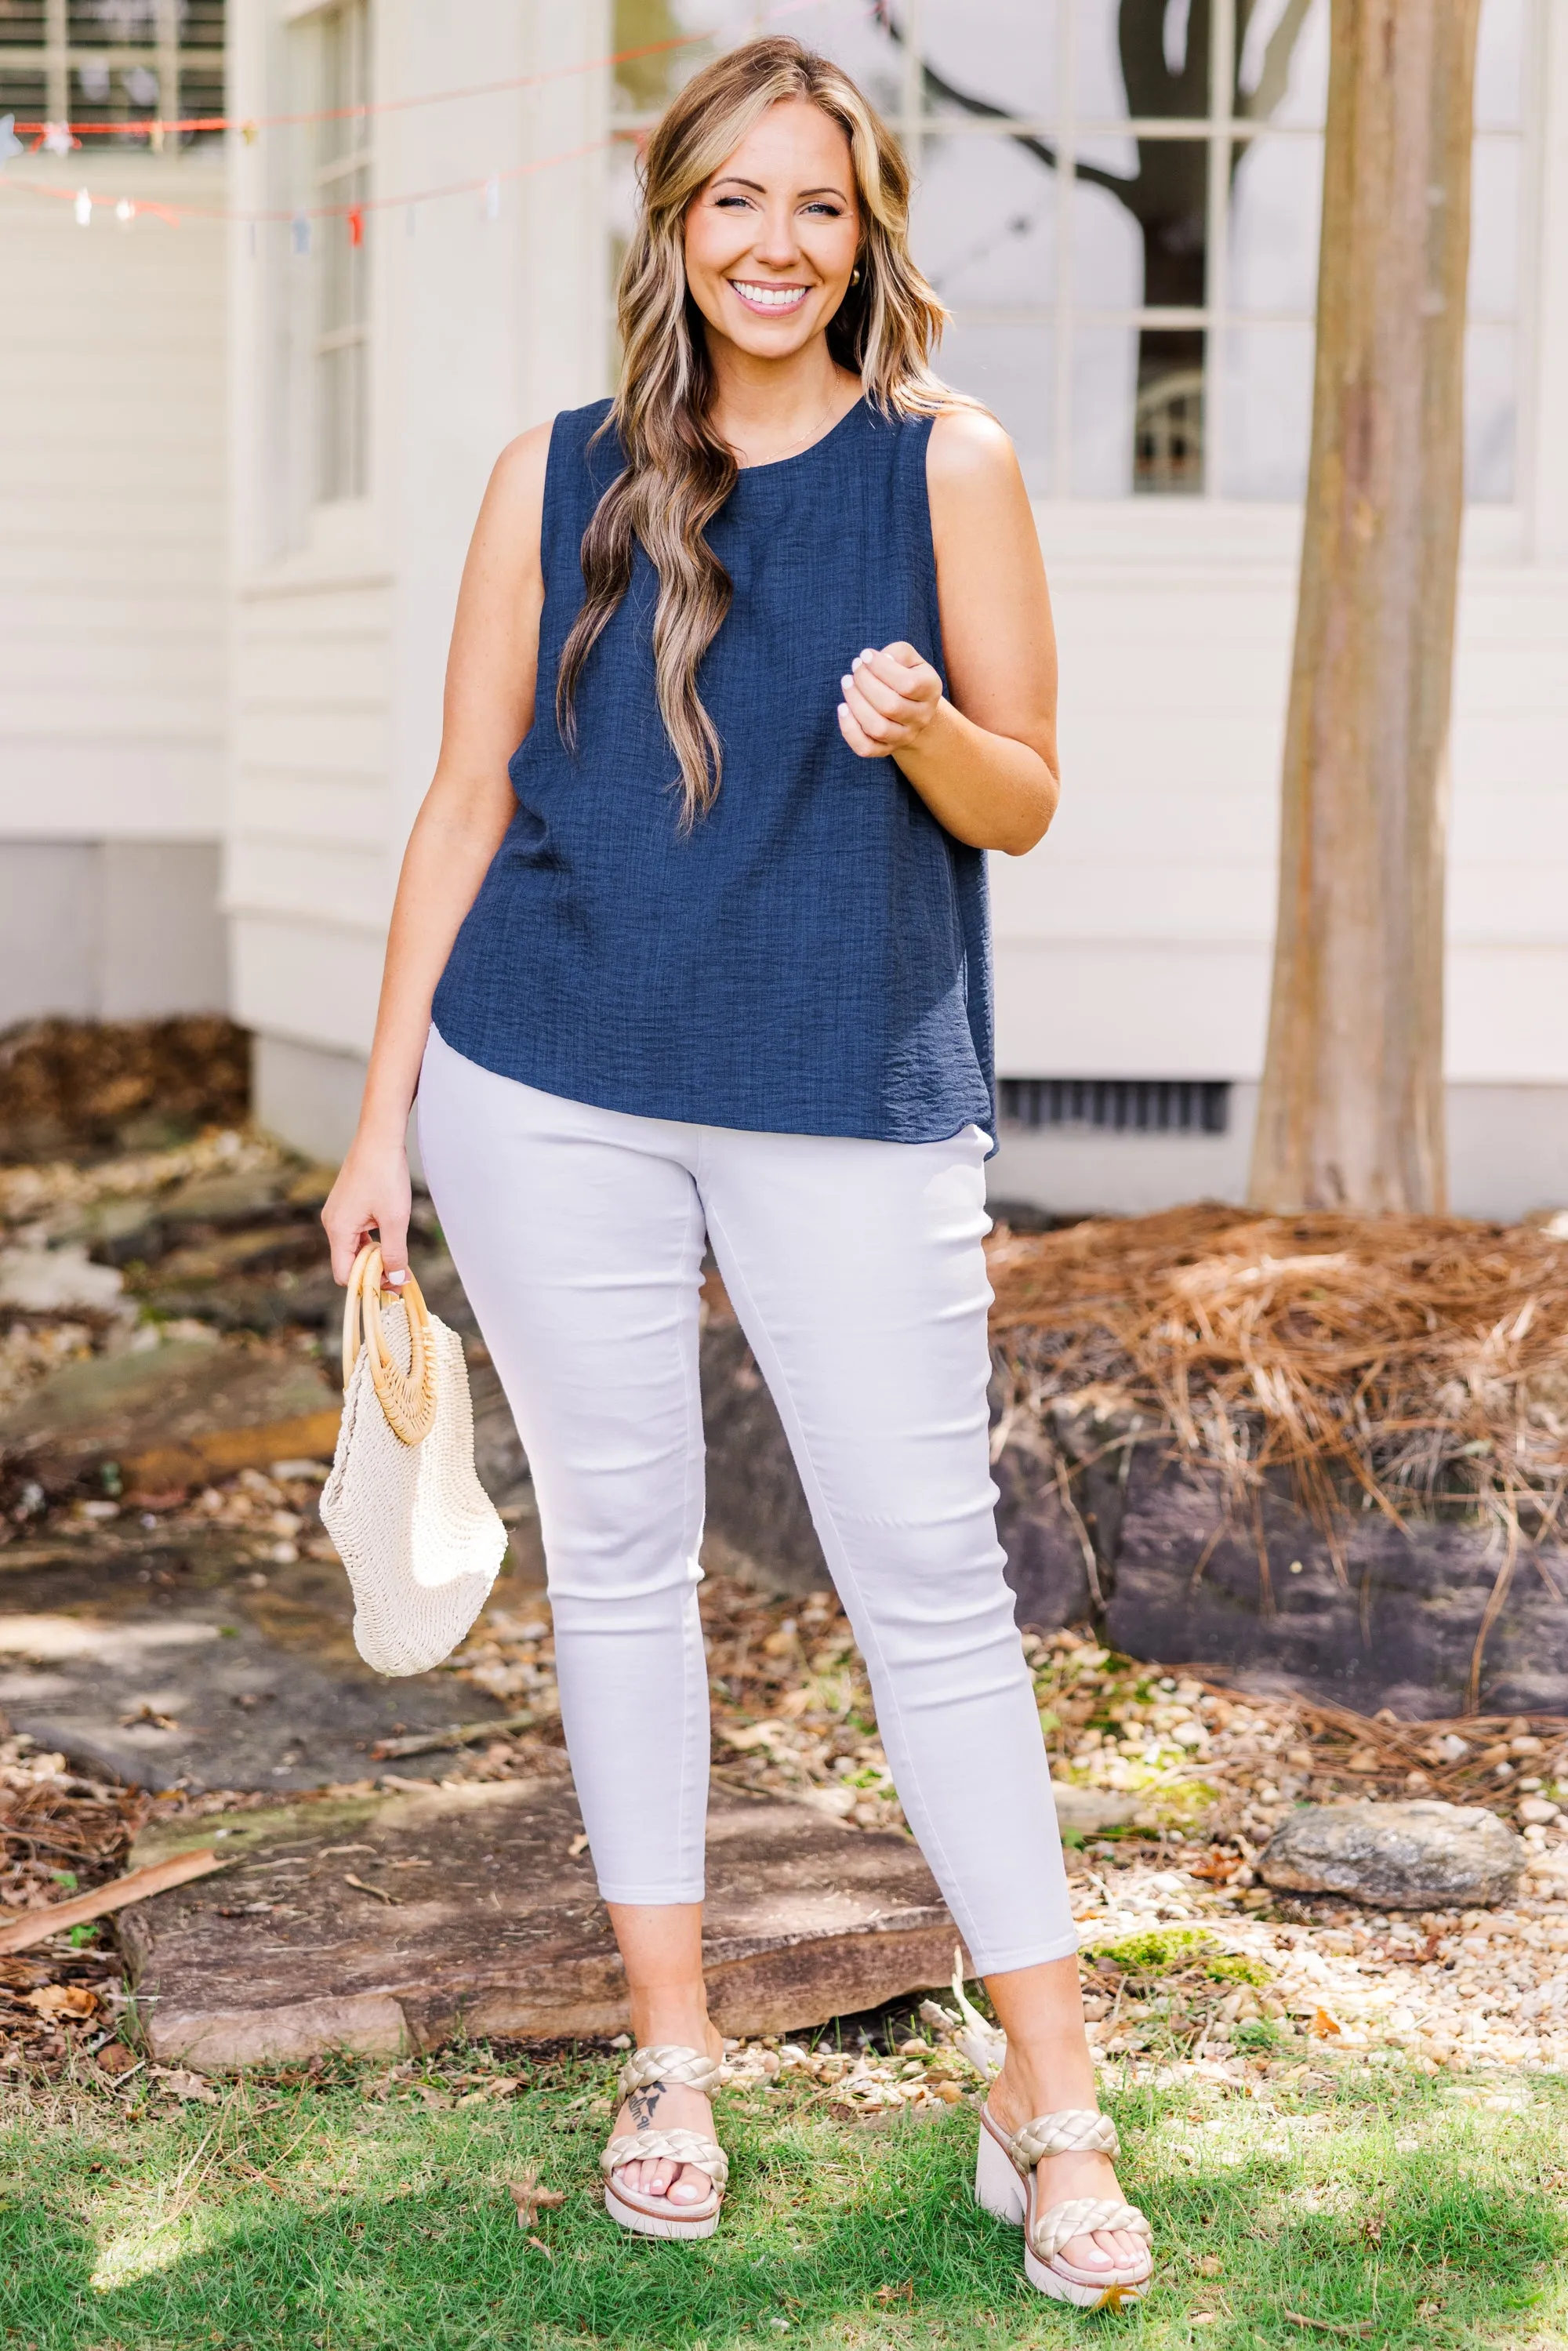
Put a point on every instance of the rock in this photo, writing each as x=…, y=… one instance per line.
x=1050, y=1552
x=1091, y=1810
x=1397, y=1630
x=495, y=1927
x=57, y=1281
x=171, y=1417
x=305, y=1295
x=1419, y=1856
x=756, y=1507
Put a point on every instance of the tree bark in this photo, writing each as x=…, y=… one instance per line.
x=1351, y=1114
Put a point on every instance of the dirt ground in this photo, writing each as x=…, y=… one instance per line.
x=1190, y=1964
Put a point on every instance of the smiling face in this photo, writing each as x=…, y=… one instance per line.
x=771, y=238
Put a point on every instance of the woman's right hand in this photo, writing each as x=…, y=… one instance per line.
x=370, y=1199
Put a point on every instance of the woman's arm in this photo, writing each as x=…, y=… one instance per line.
x=984, y=761
x=488, y=708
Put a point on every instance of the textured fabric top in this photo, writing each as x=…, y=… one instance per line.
x=813, y=956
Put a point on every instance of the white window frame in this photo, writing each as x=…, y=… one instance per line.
x=339, y=172
x=1222, y=130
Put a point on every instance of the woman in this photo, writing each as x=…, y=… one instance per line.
x=713, y=965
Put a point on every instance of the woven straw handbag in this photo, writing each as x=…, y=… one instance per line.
x=417, y=1532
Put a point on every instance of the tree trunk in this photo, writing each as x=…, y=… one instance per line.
x=1352, y=1108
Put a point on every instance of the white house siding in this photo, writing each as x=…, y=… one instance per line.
x=112, y=628
x=1136, y=941
x=481, y=326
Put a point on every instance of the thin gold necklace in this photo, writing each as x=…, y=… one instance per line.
x=813, y=432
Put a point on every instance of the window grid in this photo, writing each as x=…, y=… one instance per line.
x=57, y=58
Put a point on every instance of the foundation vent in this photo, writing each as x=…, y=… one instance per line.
x=1119, y=1106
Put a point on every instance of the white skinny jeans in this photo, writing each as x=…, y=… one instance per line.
x=856, y=1270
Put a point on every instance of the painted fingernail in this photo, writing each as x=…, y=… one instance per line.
x=847, y=681
x=867, y=652
x=395, y=1279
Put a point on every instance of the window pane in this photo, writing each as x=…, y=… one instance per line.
x=1138, y=59
x=124, y=23
x=99, y=94
x=1001, y=53
x=1496, y=172
x=1107, y=250
x=201, y=95
x=1268, y=412
x=202, y=25
x=1283, y=75
x=1139, y=237
x=1491, y=406
x=1104, y=375
x=345, y=81
x=985, y=221
x=1500, y=66
x=23, y=25
x=23, y=93
x=344, y=274
x=1168, y=427
x=1276, y=206
x=1011, y=369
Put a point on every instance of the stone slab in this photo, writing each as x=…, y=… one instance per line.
x=222, y=1407
x=498, y=1928
x=170, y=1657
x=1424, y=1856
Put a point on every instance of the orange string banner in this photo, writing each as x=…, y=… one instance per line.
x=59, y=135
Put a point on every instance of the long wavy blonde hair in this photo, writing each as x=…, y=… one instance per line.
x=678, y=471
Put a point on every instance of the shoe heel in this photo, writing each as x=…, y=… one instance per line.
x=996, y=2184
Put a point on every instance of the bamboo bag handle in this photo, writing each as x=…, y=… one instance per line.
x=407, y=1398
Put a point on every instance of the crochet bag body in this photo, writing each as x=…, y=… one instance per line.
x=413, y=1527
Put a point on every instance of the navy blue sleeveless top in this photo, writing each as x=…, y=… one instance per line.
x=813, y=956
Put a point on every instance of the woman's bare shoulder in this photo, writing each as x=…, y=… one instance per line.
x=968, y=449
x=519, y=476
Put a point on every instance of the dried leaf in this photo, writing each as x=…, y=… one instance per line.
x=62, y=2000
x=531, y=2200
x=185, y=2086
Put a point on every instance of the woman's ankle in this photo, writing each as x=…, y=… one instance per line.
x=674, y=2025
x=1049, y=2079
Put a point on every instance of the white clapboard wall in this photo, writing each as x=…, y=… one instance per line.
x=114, y=621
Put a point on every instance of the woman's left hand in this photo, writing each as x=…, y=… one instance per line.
x=890, y=699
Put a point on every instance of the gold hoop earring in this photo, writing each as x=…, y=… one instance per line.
x=855, y=275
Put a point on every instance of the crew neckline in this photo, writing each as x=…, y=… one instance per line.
x=776, y=465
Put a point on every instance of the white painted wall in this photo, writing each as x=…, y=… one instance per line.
x=112, y=630
x=480, y=327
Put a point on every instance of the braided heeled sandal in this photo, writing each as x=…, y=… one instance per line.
x=655, y=2215
x=1007, y=2183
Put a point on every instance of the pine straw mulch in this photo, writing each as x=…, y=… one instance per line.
x=1414, y=1364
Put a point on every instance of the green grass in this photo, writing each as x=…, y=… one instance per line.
x=1385, y=2206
